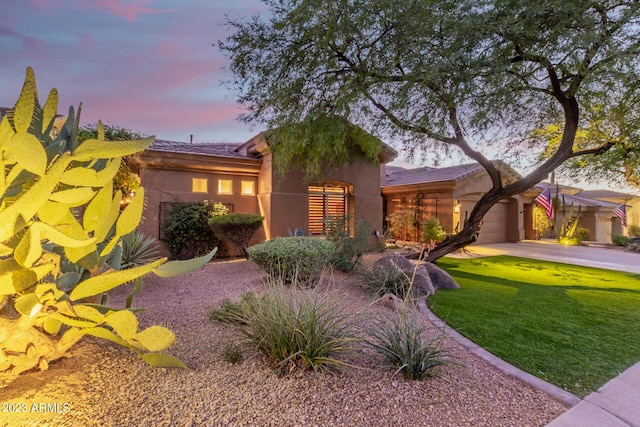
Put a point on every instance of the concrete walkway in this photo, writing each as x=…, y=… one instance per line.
x=617, y=403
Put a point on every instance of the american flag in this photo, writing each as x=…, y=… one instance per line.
x=544, y=199
x=621, y=212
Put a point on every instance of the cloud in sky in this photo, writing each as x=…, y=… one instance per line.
x=146, y=65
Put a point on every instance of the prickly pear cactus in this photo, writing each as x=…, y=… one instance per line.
x=60, y=232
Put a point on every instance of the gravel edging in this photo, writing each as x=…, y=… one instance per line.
x=552, y=390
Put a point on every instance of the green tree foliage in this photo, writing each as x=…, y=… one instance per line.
x=452, y=74
x=186, y=229
x=60, y=241
x=125, y=180
x=611, y=131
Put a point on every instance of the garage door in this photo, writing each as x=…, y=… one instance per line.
x=494, y=227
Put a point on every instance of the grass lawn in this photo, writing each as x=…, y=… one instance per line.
x=575, y=327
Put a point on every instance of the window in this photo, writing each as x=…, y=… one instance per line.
x=326, y=202
x=248, y=188
x=225, y=186
x=199, y=185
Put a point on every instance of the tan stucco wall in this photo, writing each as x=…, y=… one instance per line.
x=167, y=177
x=284, y=200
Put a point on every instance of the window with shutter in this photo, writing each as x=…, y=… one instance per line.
x=325, y=202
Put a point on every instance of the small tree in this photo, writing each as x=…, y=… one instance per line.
x=238, y=228
x=402, y=224
x=433, y=231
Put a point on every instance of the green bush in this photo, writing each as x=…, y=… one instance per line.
x=297, y=260
x=295, y=329
x=400, y=340
x=620, y=240
x=634, y=231
x=186, y=229
x=348, y=249
x=432, y=230
x=238, y=228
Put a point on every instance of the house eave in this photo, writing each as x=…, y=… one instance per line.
x=191, y=162
x=430, y=187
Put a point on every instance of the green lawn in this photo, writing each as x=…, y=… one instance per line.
x=575, y=327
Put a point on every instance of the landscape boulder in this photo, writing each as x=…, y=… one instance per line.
x=422, y=284
x=440, y=278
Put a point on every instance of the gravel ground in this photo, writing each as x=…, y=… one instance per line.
x=101, y=384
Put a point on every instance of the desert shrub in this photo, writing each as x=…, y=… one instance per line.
x=386, y=279
x=296, y=329
x=186, y=229
x=297, y=260
x=400, y=340
x=633, y=245
x=402, y=224
x=232, y=352
x=348, y=249
x=237, y=228
x=62, y=229
x=582, y=234
x=232, y=312
x=634, y=231
x=620, y=240
x=432, y=230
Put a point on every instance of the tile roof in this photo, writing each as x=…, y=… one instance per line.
x=585, y=201
x=427, y=174
x=206, y=149
x=601, y=194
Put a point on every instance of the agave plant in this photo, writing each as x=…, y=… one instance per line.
x=138, y=249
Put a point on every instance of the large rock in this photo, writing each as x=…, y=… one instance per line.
x=440, y=278
x=422, y=284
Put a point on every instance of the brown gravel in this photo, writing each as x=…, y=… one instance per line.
x=101, y=384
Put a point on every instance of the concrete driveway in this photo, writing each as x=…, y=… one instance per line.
x=612, y=259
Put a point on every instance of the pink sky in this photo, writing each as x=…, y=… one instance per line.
x=145, y=65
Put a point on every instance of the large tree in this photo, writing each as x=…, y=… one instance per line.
x=476, y=77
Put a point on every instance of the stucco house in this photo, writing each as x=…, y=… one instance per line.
x=632, y=203
x=449, y=194
x=242, y=177
x=596, y=213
